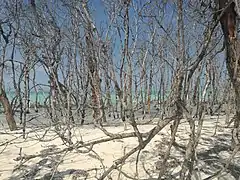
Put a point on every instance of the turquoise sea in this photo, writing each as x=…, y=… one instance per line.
x=41, y=95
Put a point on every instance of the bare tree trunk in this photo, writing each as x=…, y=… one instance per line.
x=228, y=103
x=136, y=92
x=53, y=98
x=8, y=110
x=143, y=83
x=123, y=89
x=35, y=90
x=26, y=96
x=181, y=58
x=94, y=76
x=129, y=62
x=162, y=92
x=82, y=84
x=145, y=92
x=3, y=97
x=151, y=75
x=20, y=98
x=116, y=104
x=17, y=90
x=108, y=95
x=228, y=23
x=179, y=75
x=196, y=87
x=233, y=66
x=83, y=112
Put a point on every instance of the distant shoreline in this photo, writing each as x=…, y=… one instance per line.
x=41, y=95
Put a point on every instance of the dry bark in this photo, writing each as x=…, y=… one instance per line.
x=93, y=72
x=228, y=24
x=8, y=110
x=3, y=97
x=233, y=65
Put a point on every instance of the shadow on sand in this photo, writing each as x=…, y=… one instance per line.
x=45, y=169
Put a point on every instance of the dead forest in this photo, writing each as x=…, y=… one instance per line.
x=133, y=89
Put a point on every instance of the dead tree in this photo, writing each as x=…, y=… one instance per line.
x=3, y=97
x=93, y=72
x=228, y=22
x=228, y=19
x=177, y=85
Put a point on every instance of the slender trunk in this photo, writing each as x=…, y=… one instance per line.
x=35, y=90
x=181, y=59
x=53, y=98
x=20, y=98
x=143, y=84
x=116, y=104
x=26, y=97
x=125, y=96
x=17, y=90
x=136, y=92
x=108, y=95
x=78, y=87
x=163, y=92
x=83, y=113
x=121, y=75
x=150, y=87
x=130, y=70
x=82, y=84
x=94, y=76
x=123, y=87
x=151, y=76
x=142, y=99
x=145, y=92
x=68, y=98
x=196, y=92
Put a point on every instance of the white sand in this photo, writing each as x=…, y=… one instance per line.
x=75, y=164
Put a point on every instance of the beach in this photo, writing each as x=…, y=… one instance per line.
x=52, y=161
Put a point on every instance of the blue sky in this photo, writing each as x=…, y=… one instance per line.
x=101, y=20
x=41, y=77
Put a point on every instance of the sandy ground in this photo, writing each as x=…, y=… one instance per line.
x=212, y=153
